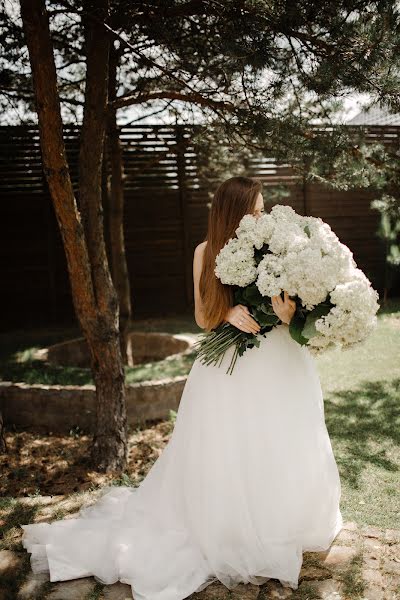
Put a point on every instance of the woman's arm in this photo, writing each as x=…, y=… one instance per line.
x=197, y=266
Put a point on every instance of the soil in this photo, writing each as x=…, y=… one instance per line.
x=59, y=464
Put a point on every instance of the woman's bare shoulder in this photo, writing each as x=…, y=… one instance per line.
x=200, y=248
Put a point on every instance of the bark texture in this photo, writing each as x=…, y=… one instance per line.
x=3, y=443
x=93, y=294
x=119, y=267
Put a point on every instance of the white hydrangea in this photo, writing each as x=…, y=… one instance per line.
x=235, y=264
x=305, y=258
x=271, y=272
x=353, y=317
x=283, y=212
x=281, y=232
x=308, y=276
x=248, y=232
x=313, y=260
x=265, y=227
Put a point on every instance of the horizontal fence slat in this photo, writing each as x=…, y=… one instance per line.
x=160, y=238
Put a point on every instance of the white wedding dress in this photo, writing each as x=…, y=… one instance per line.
x=246, y=483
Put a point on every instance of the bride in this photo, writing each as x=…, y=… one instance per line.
x=248, y=480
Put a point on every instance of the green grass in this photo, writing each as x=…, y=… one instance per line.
x=35, y=371
x=17, y=349
x=96, y=593
x=305, y=592
x=362, y=396
x=16, y=513
x=351, y=576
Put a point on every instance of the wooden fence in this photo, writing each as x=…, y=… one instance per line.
x=165, y=218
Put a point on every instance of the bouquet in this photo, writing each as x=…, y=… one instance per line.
x=336, y=305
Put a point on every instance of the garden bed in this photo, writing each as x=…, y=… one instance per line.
x=153, y=386
x=50, y=464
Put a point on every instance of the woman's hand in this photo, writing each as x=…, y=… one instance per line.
x=239, y=316
x=284, y=309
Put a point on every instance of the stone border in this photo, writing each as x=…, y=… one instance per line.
x=146, y=346
x=60, y=408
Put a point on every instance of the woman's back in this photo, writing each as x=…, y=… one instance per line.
x=197, y=267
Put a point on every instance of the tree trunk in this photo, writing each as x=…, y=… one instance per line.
x=94, y=297
x=3, y=443
x=110, y=439
x=116, y=215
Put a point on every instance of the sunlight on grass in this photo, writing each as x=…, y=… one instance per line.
x=362, y=392
x=170, y=367
x=18, y=362
x=25, y=355
x=376, y=359
x=35, y=371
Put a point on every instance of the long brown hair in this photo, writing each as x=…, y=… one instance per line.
x=233, y=199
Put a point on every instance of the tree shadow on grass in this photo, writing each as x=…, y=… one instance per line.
x=365, y=423
x=38, y=371
x=15, y=513
x=16, y=564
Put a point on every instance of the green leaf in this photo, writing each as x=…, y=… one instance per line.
x=295, y=329
x=260, y=253
x=266, y=308
x=238, y=295
x=256, y=342
x=309, y=329
x=252, y=295
x=264, y=319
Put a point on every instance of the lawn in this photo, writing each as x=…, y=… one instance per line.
x=361, y=390
x=362, y=398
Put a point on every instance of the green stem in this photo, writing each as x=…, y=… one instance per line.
x=217, y=353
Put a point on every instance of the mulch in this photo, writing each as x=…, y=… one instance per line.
x=59, y=464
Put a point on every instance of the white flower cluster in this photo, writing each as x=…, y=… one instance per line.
x=235, y=264
x=307, y=255
x=304, y=257
x=352, y=318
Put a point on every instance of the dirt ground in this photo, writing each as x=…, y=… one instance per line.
x=59, y=464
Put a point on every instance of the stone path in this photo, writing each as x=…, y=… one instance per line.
x=363, y=563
